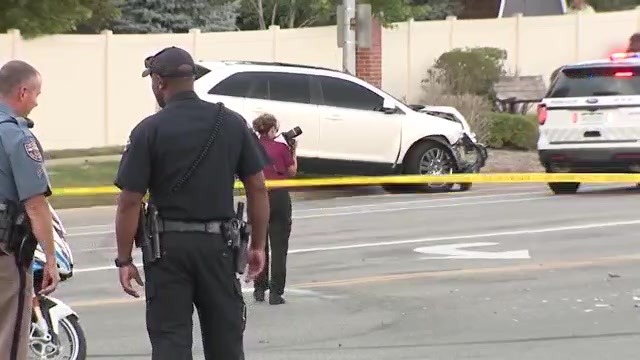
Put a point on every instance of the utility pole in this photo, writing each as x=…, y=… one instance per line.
x=349, y=36
x=354, y=31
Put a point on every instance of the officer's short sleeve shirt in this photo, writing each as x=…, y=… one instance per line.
x=163, y=149
x=24, y=160
x=134, y=171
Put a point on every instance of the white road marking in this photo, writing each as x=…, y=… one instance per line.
x=422, y=201
x=455, y=251
x=88, y=250
x=431, y=198
x=432, y=239
x=452, y=198
x=298, y=292
x=347, y=213
x=364, y=210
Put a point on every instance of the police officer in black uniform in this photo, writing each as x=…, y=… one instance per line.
x=196, y=265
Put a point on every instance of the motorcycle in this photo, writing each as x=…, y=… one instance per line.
x=55, y=328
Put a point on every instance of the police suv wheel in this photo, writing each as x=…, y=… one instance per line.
x=564, y=188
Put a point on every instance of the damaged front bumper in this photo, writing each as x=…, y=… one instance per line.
x=470, y=156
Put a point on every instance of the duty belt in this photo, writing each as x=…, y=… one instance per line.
x=212, y=227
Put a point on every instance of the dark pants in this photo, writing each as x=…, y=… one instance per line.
x=278, y=240
x=196, y=269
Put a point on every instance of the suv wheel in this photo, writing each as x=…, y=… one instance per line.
x=427, y=158
x=562, y=188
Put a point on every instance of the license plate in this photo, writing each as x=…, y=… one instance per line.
x=595, y=118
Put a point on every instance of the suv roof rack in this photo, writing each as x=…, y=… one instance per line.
x=601, y=64
x=267, y=63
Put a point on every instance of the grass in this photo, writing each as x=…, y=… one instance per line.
x=88, y=174
x=74, y=153
x=100, y=173
x=69, y=202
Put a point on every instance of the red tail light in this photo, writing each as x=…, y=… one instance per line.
x=542, y=114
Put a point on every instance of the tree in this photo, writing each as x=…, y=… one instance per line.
x=390, y=11
x=103, y=14
x=614, y=5
x=41, y=17
x=259, y=14
x=438, y=9
x=176, y=16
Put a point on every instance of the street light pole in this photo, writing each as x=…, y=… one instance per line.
x=349, y=46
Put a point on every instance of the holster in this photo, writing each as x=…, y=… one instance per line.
x=16, y=232
x=236, y=232
x=147, y=237
x=241, y=254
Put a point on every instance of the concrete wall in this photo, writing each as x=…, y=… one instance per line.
x=93, y=93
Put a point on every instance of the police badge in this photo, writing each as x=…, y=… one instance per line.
x=32, y=150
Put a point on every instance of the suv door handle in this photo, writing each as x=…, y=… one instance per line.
x=334, y=118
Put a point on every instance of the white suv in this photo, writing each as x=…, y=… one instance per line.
x=349, y=126
x=589, y=120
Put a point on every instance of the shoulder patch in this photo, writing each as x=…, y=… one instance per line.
x=32, y=150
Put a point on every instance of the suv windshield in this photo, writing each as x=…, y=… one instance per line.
x=596, y=81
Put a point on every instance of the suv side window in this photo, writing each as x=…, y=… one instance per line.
x=346, y=94
x=237, y=85
x=288, y=87
x=266, y=86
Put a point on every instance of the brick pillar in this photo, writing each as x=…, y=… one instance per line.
x=369, y=61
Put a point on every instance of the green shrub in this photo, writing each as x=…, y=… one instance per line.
x=469, y=71
x=512, y=131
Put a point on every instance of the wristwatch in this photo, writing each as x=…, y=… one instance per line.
x=121, y=263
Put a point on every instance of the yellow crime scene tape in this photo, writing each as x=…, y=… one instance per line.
x=404, y=180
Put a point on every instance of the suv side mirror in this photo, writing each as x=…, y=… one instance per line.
x=389, y=107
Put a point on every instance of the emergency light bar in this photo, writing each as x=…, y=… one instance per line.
x=623, y=56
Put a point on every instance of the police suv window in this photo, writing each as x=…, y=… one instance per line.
x=345, y=94
x=596, y=81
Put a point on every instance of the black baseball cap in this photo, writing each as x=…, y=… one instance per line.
x=170, y=62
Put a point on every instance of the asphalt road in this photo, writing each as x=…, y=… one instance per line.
x=551, y=277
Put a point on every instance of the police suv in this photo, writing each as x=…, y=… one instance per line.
x=589, y=120
x=349, y=126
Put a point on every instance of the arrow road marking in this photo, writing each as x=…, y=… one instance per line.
x=455, y=251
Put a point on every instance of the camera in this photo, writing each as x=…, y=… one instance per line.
x=291, y=134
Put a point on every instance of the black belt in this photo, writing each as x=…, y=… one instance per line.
x=211, y=227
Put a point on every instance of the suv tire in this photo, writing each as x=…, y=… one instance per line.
x=413, y=164
x=562, y=188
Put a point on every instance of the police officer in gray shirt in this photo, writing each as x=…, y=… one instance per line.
x=23, y=181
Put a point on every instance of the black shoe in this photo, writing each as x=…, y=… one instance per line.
x=276, y=300
x=258, y=295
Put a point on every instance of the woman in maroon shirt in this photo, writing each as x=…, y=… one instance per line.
x=283, y=165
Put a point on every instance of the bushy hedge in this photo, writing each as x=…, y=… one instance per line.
x=464, y=79
x=468, y=71
x=511, y=131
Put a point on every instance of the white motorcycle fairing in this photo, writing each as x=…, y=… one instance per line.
x=56, y=310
